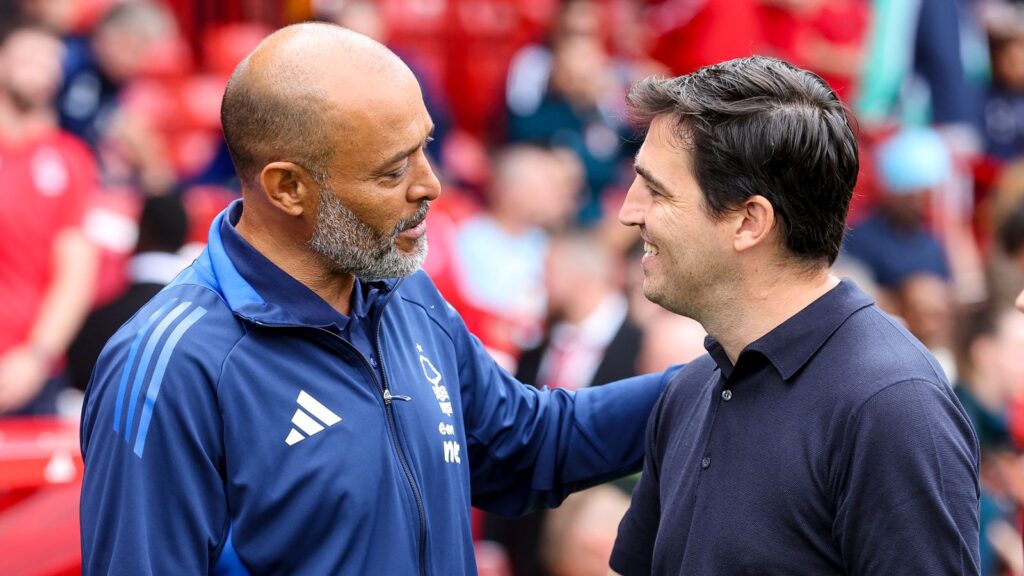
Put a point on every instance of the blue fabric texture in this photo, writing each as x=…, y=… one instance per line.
x=287, y=438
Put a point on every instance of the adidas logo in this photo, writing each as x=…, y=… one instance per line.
x=309, y=421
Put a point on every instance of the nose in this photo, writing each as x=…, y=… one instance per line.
x=427, y=186
x=632, y=211
x=1020, y=301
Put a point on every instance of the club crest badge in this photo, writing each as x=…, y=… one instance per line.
x=429, y=371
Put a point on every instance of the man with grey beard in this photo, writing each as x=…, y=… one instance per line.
x=302, y=400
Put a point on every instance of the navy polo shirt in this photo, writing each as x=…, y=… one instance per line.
x=296, y=300
x=834, y=446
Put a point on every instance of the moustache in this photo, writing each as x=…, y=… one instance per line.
x=412, y=221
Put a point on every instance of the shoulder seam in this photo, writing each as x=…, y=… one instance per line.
x=446, y=329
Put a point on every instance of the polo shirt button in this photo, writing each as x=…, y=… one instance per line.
x=705, y=462
x=726, y=395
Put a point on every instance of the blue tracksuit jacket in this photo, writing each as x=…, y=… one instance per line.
x=225, y=431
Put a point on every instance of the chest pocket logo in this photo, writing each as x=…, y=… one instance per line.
x=434, y=377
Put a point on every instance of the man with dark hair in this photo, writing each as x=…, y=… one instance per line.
x=163, y=227
x=291, y=404
x=47, y=265
x=817, y=436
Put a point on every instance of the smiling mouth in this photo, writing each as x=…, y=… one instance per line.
x=650, y=249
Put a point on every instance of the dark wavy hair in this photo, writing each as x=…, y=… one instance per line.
x=761, y=126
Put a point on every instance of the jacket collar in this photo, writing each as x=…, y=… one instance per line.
x=256, y=289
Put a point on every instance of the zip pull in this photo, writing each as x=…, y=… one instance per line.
x=388, y=396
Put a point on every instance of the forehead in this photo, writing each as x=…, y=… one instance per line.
x=31, y=42
x=380, y=118
x=662, y=151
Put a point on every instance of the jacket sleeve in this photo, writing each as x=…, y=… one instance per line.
x=153, y=498
x=531, y=448
x=907, y=485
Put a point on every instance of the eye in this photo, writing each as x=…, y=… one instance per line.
x=398, y=174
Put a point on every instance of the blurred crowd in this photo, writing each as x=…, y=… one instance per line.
x=112, y=166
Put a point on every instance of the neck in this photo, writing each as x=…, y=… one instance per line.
x=300, y=263
x=755, y=309
x=19, y=125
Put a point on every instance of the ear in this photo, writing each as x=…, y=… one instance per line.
x=288, y=187
x=755, y=221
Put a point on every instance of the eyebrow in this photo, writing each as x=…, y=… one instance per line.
x=646, y=175
x=407, y=152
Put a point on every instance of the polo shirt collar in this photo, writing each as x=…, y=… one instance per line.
x=277, y=288
x=790, y=345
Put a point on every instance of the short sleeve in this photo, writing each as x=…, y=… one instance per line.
x=907, y=488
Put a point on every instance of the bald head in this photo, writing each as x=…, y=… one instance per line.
x=290, y=99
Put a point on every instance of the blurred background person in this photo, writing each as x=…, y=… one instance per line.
x=590, y=338
x=894, y=241
x=47, y=266
x=669, y=338
x=142, y=81
x=163, y=226
x=925, y=303
x=991, y=380
x=578, y=536
x=573, y=114
x=502, y=250
x=1003, y=128
x=99, y=70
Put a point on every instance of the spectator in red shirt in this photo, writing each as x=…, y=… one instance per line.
x=47, y=267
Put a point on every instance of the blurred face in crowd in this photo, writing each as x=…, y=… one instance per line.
x=362, y=16
x=58, y=15
x=669, y=339
x=124, y=43
x=372, y=207
x=121, y=53
x=927, y=307
x=996, y=360
x=30, y=68
x=1008, y=64
x=687, y=255
x=1009, y=363
x=540, y=188
x=907, y=210
x=580, y=69
x=579, y=17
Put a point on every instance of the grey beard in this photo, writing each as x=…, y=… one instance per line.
x=352, y=247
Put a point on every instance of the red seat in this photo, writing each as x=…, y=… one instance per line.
x=202, y=204
x=226, y=45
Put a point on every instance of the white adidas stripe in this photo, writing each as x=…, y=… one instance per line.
x=307, y=423
x=317, y=409
x=294, y=437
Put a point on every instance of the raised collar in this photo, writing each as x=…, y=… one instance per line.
x=791, y=344
x=258, y=289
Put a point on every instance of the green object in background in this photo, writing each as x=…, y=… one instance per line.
x=889, y=59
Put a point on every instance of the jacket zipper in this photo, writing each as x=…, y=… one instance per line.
x=389, y=411
x=388, y=397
